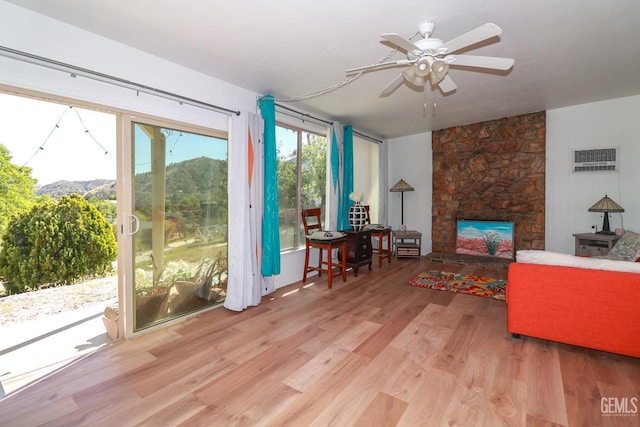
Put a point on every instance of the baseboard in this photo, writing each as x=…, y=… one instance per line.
x=447, y=258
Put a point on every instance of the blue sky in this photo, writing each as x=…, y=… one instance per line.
x=62, y=143
x=68, y=151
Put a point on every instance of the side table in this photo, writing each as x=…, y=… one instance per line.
x=404, y=248
x=592, y=244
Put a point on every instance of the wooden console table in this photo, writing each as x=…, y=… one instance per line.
x=407, y=249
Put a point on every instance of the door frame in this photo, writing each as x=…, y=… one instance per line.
x=125, y=225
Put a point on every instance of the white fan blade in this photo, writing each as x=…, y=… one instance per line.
x=400, y=42
x=393, y=85
x=481, y=33
x=481, y=61
x=447, y=85
x=373, y=67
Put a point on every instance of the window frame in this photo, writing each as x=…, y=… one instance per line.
x=298, y=240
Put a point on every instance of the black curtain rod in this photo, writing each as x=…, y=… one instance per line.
x=325, y=121
x=303, y=114
x=370, y=138
x=105, y=78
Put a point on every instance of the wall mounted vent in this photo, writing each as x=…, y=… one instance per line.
x=595, y=160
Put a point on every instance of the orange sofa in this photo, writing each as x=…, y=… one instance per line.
x=598, y=309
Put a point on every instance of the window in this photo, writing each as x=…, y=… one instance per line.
x=179, y=197
x=302, y=177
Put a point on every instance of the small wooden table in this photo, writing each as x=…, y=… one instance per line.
x=593, y=244
x=404, y=249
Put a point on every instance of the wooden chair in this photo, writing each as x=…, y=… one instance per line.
x=312, y=223
x=378, y=235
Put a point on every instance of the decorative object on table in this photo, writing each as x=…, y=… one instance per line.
x=401, y=186
x=486, y=287
x=606, y=205
x=357, y=212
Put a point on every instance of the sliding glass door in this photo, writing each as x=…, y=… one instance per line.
x=177, y=222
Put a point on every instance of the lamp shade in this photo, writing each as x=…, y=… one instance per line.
x=401, y=186
x=606, y=205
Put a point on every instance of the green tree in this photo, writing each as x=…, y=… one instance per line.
x=17, y=188
x=56, y=243
x=106, y=208
x=314, y=172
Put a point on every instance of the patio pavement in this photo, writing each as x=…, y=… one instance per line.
x=30, y=350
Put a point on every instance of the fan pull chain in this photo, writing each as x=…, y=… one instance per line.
x=426, y=101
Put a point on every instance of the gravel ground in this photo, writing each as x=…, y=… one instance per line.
x=32, y=305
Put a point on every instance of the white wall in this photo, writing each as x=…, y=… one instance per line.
x=606, y=124
x=410, y=159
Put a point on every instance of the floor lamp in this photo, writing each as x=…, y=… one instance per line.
x=401, y=186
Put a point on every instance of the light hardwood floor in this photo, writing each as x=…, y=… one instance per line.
x=373, y=351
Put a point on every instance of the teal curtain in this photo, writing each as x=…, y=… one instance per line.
x=334, y=196
x=270, y=226
x=347, y=168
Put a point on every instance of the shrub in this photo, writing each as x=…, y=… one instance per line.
x=56, y=243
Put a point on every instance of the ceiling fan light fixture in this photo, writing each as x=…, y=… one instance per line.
x=439, y=67
x=423, y=67
x=412, y=77
x=428, y=59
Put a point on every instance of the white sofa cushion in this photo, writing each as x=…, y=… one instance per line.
x=566, y=260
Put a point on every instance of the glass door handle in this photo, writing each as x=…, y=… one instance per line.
x=135, y=222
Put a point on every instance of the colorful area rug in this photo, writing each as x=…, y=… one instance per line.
x=486, y=287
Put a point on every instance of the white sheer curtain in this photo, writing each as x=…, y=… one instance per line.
x=246, y=285
x=383, y=201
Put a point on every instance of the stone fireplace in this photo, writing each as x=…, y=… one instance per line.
x=492, y=170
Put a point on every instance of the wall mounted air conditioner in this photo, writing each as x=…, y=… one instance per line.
x=595, y=160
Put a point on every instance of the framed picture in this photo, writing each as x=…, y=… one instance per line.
x=485, y=238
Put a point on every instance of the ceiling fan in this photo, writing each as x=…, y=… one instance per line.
x=429, y=59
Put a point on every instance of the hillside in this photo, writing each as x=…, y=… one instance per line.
x=190, y=177
x=102, y=189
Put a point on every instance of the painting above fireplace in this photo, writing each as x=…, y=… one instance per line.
x=485, y=238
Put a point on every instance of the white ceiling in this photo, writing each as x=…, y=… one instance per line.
x=566, y=52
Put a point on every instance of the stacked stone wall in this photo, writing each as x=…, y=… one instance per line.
x=492, y=170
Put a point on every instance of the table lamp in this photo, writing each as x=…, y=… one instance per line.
x=606, y=205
